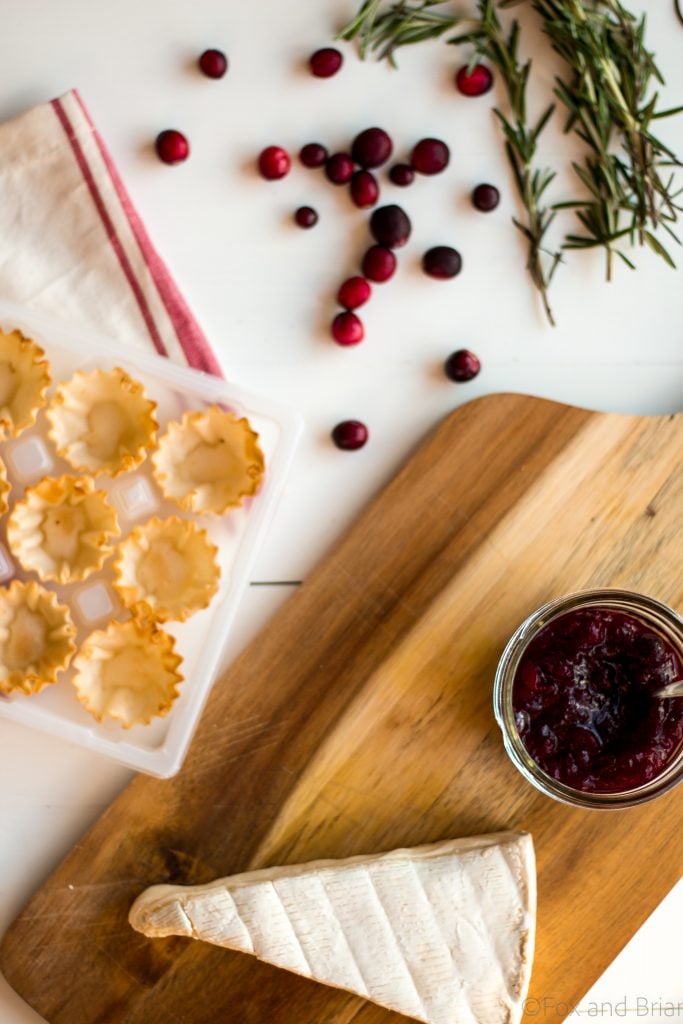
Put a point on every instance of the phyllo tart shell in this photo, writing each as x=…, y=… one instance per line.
x=5, y=488
x=102, y=422
x=209, y=461
x=128, y=672
x=24, y=379
x=62, y=529
x=166, y=569
x=36, y=637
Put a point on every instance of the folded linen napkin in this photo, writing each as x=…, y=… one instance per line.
x=73, y=246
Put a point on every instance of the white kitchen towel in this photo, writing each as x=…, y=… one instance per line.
x=73, y=246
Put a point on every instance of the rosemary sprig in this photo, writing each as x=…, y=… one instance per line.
x=610, y=106
x=402, y=24
x=385, y=29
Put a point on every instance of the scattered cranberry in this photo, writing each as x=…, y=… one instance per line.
x=430, y=156
x=364, y=189
x=442, y=262
x=485, y=198
x=475, y=82
x=347, y=329
x=313, y=154
x=390, y=226
x=402, y=174
x=172, y=147
x=379, y=263
x=326, y=62
x=372, y=147
x=354, y=292
x=350, y=435
x=339, y=168
x=306, y=217
x=274, y=163
x=462, y=365
x=213, y=63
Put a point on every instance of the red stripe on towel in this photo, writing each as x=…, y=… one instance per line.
x=192, y=339
x=109, y=227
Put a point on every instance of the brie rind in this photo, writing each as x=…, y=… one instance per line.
x=441, y=933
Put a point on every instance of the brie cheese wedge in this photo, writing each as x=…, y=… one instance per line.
x=441, y=933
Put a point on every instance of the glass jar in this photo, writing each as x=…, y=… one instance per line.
x=663, y=621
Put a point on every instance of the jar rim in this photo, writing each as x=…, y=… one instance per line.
x=657, y=614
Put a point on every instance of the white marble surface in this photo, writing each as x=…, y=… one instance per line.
x=263, y=290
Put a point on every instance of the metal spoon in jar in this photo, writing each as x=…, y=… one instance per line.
x=671, y=690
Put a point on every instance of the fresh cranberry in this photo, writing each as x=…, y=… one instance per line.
x=350, y=435
x=172, y=147
x=326, y=62
x=306, y=217
x=339, y=168
x=474, y=82
x=347, y=329
x=442, y=262
x=485, y=198
x=602, y=669
x=379, y=263
x=372, y=148
x=274, y=163
x=390, y=226
x=364, y=189
x=430, y=156
x=462, y=366
x=354, y=292
x=402, y=174
x=313, y=154
x=213, y=63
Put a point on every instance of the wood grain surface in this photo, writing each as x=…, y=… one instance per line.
x=361, y=720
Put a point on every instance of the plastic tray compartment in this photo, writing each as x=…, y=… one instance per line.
x=158, y=748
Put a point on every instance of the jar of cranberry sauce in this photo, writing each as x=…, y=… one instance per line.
x=575, y=695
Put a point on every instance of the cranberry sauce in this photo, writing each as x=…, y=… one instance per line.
x=585, y=705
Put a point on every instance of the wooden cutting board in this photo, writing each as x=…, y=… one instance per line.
x=361, y=720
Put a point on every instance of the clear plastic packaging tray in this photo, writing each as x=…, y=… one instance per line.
x=158, y=748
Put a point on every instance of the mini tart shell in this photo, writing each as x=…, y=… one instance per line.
x=120, y=403
x=128, y=672
x=5, y=488
x=166, y=570
x=45, y=542
x=23, y=603
x=22, y=359
x=209, y=461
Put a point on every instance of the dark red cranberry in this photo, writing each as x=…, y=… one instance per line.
x=306, y=217
x=430, y=156
x=172, y=147
x=372, y=147
x=339, y=168
x=379, y=263
x=326, y=62
x=475, y=82
x=364, y=189
x=354, y=292
x=213, y=63
x=350, y=435
x=442, y=262
x=313, y=154
x=274, y=163
x=461, y=366
x=390, y=226
x=402, y=174
x=347, y=329
x=485, y=198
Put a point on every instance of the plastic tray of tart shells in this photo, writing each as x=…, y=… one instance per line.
x=165, y=558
